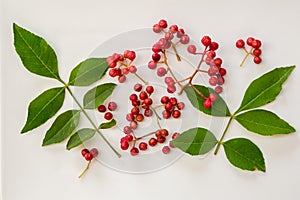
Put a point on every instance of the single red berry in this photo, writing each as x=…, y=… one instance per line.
x=134, y=151
x=112, y=106
x=101, y=108
x=213, y=70
x=112, y=64
x=249, y=41
x=211, y=54
x=158, y=134
x=127, y=130
x=149, y=89
x=148, y=112
x=108, y=116
x=213, y=46
x=213, y=81
x=221, y=80
x=257, y=59
x=206, y=41
x=155, y=48
x=169, y=106
x=124, y=145
x=192, y=49
x=132, y=69
x=122, y=79
x=219, y=89
x=173, y=28
x=137, y=87
x=212, y=97
x=257, y=52
x=133, y=124
x=175, y=135
x=135, y=111
x=169, y=36
x=173, y=101
x=218, y=61
x=129, y=117
x=171, y=145
x=207, y=103
x=184, y=39
x=163, y=23
x=88, y=156
x=143, y=146
x=148, y=101
x=133, y=97
x=125, y=71
x=131, y=55
x=180, y=33
x=180, y=106
x=164, y=132
x=128, y=137
x=84, y=151
x=143, y=95
x=176, y=114
x=152, y=65
x=161, y=71
x=161, y=139
x=113, y=72
x=156, y=57
x=171, y=89
x=222, y=71
x=166, y=114
x=240, y=43
x=164, y=100
x=156, y=28
x=166, y=150
x=136, y=103
x=139, y=117
x=256, y=44
x=152, y=142
x=94, y=152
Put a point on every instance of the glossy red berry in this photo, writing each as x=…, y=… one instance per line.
x=135, y=111
x=101, y=108
x=256, y=44
x=249, y=41
x=148, y=112
x=131, y=55
x=173, y=28
x=213, y=46
x=133, y=97
x=132, y=69
x=152, y=142
x=122, y=79
x=207, y=103
x=240, y=43
x=152, y=65
x=184, y=39
x=156, y=57
x=143, y=146
x=219, y=89
x=175, y=135
x=213, y=81
x=124, y=145
x=211, y=54
x=139, y=117
x=155, y=48
x=169, y=106
x=148, y=101
x=112, y=106
x=257, y=60
x=163, y=23
x=192, y=49
x=149, y=89
x=257, y=52
x=134, y=151
x=166, y=114
x=166, y=149
x=137, y=87
x=173, y=101
x=133, y=124
x=143, y=95
x=108, y=116
x=84, y=151
x=206, y=41
x=171, y=89
x=222, y=71
x=127, y=130
x=176, y=114
x=161, y=71
x=161, y=139
x=164, y=132
x=180, y=105
x=88, y=156
x=129, y=117
x=156, y=28
x=94, y=152
x=218, y=61
x=164, y=100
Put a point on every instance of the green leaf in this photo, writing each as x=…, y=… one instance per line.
x=244, y=154
x=88, y=72
x=264, y=122
x=62, y=127
x=79, y=137
x=96, y=96
x=219, y=107
x=44, y=107
x=265, y=89
x=37, y=56
x=195, y=141
x=108, y=125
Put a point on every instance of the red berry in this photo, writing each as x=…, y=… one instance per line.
x=139, y=117
x=213, y=81
x=134, y=151
x=257, y=59
x=155, y=48
x=173, y=101
x=112, y=106
x=88, y=156
x=148, y=101
x=207, y=103
x=137, y=87
x=171, y=89
x=180, y=106
x=221, y=80
x=184, y=39
x=213, y=46
x=131, y=55
x=176, y=114
x=164, y=132
x=108, y=116
x=257, y=52
x=175, y=135
x=161, y=139
x=125, y=71
x=180, y=33
x=249, y=41
x=143, y=146
x=148, y=112
x=161, y=71
x=143, y=95
x=152, y=142
x=149, y=89
x=84, y=151
x=113, y=72
x=166, y=114
x=101, y=108
x=222, y=71
x=212, y=97
x=136, y=103
x=132, y=69
x=94, y=152
x=173, y=28
x=135, y=111
x=122, y=79
x=127, y=130
x=128, y=138
x=240, y=43
x=219, y=89
x=213, y=70
x=169, y=36
x=152, y=65
x=163, y=23
x=166, y=150
x=133, y=97
x=157, y=28
x=133, y=124
x=156, y=57
x=112, y=64
x=211, y=54
x=169, y=106
x=218, y=61
x=129, y=117
x=206, y=41
x=192, y=49
x=171, y=145
x=164, y=100
x=256, y=44
x=124, y=145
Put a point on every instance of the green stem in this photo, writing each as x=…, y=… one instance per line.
x=223, y=135
x=91, y=122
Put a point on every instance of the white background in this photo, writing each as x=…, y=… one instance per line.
x=75, y=28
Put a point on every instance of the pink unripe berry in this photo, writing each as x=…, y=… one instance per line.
x=192, y=49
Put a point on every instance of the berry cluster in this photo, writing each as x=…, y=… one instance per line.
x=121, y=65
x=88, y=155
x=112, y=106
x=255, y=50
x=215, y=71
x=171, y=107
x=159, y=49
